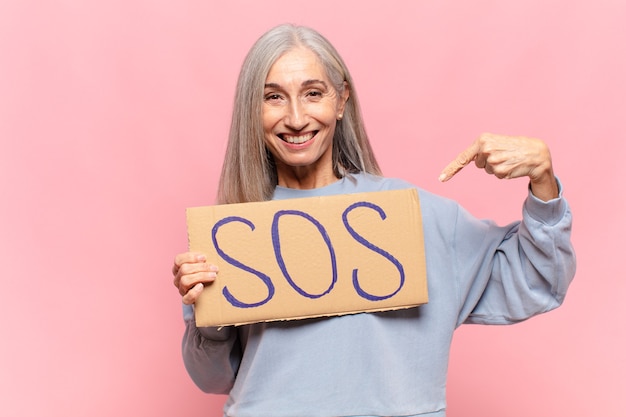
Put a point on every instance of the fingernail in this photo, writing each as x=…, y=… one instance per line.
x=213, y=268
x=442, y=177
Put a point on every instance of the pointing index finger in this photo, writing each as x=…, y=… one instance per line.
x=462, y=159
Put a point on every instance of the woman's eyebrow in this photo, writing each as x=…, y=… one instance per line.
x=311, y=82
x=304, y=84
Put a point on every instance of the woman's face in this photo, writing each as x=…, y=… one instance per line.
x=300, y=112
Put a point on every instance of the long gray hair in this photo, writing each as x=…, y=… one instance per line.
x=249, y=172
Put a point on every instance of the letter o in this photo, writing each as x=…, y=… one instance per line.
x=281, y=261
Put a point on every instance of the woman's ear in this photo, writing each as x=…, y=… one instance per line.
x=343, y=99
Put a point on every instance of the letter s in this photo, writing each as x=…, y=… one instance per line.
x=367, y=244
x=266, y=280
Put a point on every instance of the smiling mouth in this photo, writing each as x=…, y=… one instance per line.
x=296, y=140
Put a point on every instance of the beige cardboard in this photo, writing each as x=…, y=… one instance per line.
x=307, y=257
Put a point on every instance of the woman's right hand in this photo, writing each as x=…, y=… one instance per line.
x=191, y=272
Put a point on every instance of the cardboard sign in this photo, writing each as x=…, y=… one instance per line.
x=310, y=257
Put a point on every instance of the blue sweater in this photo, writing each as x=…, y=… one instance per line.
x=391, y=363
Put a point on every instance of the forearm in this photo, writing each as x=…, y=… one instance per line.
x=545, y=236
x=211, y=357
x=545, y=187
x=517, y=271
x=541, y=260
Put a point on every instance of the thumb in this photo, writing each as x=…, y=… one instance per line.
x=193, y=294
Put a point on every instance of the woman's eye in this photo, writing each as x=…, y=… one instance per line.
x=314, y=94
x=272, y=97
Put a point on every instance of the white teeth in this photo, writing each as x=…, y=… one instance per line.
x=298, y=139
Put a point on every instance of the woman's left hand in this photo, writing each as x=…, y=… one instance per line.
x=510, y=157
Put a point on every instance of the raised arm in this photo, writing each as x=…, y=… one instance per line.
x=508, y=274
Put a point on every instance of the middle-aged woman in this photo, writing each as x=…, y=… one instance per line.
x=297, y=131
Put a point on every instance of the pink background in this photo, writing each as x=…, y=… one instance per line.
x=113, y=118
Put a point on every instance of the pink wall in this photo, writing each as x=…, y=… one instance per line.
x=113, y=117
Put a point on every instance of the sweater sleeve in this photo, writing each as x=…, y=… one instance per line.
x=509, y=274
x=211, y=355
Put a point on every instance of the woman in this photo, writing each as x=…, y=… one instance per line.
x=297, y=131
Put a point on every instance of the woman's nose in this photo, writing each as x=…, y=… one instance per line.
x=296, y=116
